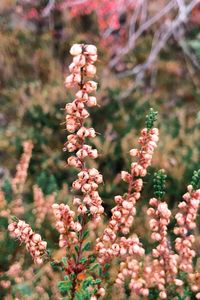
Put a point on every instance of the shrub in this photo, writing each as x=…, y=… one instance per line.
x=106, y=260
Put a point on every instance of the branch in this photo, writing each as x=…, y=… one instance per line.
x=131, y=43
x=171, y=28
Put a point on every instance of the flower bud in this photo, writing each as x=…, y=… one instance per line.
x=76, y=49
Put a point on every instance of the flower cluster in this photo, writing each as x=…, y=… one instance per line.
x=4, y=212
x=185, y=223
x=42, y=204
x=34, y=243
x=165, y=261
x=139, y=278
x=18, y=181
x=65, y=224
x=123, y=247
x=162, y=262
x=194, y=280
x=84, y=57
x=21, y=174
x=124, y=211
x=160, y=218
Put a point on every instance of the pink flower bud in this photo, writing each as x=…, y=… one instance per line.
x=178, y=282
x=117, y=214
x=90, y=70
x=118, y=199
x=86, y=188
x=11, y=227
x=90, y=86
x=90, y=49
x=76, y=49
x=79, y=60
x=153, y=202
x=93, y=210
x=36, y=238
x=163, y=295
x=101, y=292
x=76, y=201
x=133, y=152
x=197, y=296
x=38, y=260
x=126, y=176
x=92, y=101
x=73, y=68
x=145, y=292
x=77, y=226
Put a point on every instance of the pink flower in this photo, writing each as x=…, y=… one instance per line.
x=34, y=243
x=84, y=57
x=21, y=174
x=185, y=222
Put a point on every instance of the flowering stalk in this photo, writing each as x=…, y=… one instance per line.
x=34, y=243
x=20, y=178
x=165, y=261
x=89, y=205
x=42, y=204
x=194, y=282
x=88, y=179
x=21, y=174
x=123, y=213
x=185, y=218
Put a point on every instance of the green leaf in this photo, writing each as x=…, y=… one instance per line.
x=79, y=218
x=64, y=260
x=92, y=258
x=66, y=277
x=7, y=189
x=107, y=266
x=87, y=246
x=94, y=267
x=64, y=286
x=196, y=180
x=85, y=234
x=98, y=281
x=83, y=260
x=76, y=248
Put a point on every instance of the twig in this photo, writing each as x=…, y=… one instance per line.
x=171, y=28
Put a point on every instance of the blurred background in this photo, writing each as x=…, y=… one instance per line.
x=149, y=56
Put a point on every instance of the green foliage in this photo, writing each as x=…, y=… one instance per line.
x=64, y=260
x=150, y=119
x=56, y=266
x=159, y=184
x=153, y=294
x=24, y=289
x=196, y=180
x=65, y=287
x=7, y=189
x=195, y=45
x=85, y=234
x=47, y=183
x=87, y=246
x=86, y=290
x=32, y=96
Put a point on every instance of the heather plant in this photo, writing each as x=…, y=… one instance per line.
x=37, y=89
x=97, y=259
